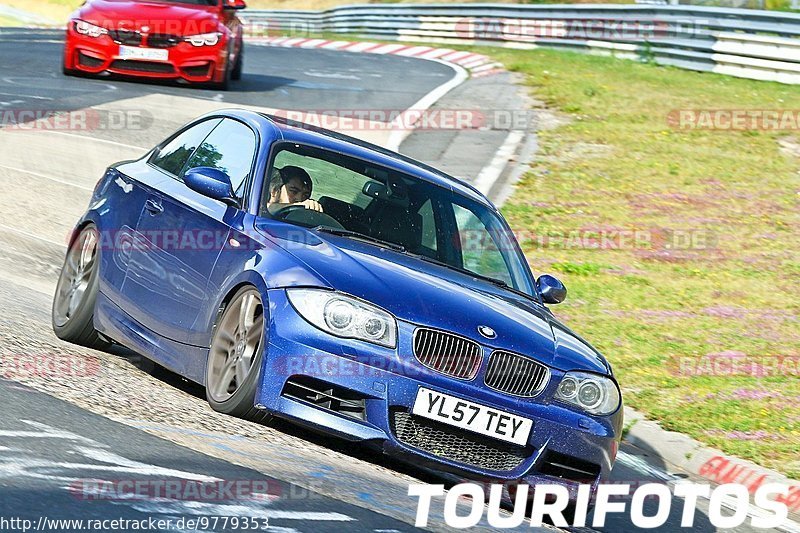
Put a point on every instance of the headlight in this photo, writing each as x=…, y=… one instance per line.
x=345, y=316
x=592, y=393
x=203, y=39
x=86, y=28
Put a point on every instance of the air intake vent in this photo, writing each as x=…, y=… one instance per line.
x=456, y=444
x=567, y=467
x=447, y=353
x=516, y=374
x=326, y=396
x=142, y=66
x=89, y=61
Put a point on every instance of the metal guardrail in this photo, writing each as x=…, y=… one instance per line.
x=762, y=45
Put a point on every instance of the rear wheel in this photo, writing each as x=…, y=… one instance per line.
x=76, y=292
x=234, y=357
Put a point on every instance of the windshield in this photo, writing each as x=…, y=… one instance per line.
x=312, y=187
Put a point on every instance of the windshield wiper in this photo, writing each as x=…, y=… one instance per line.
x=360, y=236
x=493, y=281
x=399, y=248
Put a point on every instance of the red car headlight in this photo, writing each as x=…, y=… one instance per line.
x=87, y=28
x=203, y=39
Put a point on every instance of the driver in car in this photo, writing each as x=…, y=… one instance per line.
x=288, y=186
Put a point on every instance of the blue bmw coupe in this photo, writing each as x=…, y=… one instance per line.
x=300, y=273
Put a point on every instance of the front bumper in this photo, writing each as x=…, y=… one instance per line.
x=360, y=391
x=96, y=55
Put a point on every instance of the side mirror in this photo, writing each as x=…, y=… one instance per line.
x=213, y=183
x=551, y=289
x=233, y=4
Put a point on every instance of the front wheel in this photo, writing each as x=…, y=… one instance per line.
x=76, y=292
x=64, y=70
x=235, y=355
x=236, y=74
x=225, y=84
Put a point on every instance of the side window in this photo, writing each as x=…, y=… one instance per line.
x=478, y=248
x=230, y=148
x=174, y=155
x=428, y=226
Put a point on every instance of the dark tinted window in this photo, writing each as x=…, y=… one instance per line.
x=425, y=219
x=174, y=155
x=230, y=148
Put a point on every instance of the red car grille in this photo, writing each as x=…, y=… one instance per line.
x=447, y=353
x=157, y=40
x=126, y=37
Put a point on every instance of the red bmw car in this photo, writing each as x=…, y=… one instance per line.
x=196, y=41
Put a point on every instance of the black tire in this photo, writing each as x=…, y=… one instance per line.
x=76, y=325
x=236, y=73
x=64, y=70
x=240, y=401
x=225, y=84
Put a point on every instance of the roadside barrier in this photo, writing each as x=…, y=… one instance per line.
x=762, y=45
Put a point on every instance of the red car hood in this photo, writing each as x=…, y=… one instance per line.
x=170, y=18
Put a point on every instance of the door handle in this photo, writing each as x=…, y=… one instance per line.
x=153, y=207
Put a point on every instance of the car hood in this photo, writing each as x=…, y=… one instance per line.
x=151, y=17
x=431, y=295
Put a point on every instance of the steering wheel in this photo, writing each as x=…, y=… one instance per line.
x=298, y=214
x=284, y=212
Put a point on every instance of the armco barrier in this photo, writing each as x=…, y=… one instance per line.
x=763, y=45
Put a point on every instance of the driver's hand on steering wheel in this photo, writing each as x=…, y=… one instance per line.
x=310, y=204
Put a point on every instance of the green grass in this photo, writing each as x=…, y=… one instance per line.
x=617, y=164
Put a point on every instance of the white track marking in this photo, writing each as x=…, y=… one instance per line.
x=399, y=135
x=45, y=176
x=31, y=236
x=491, y=172
x=94, y=139
x=23, y=95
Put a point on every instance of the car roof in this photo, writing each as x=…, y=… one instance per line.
x=303, y=133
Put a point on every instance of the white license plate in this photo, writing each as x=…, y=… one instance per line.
x=472, y=416
x=153, y=54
